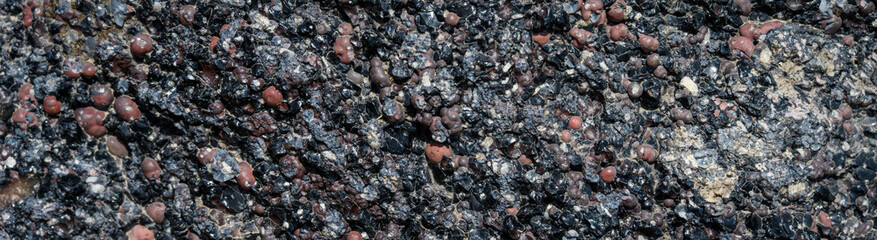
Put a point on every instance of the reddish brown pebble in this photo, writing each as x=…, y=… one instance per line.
x=26, y=93
x=141, y=44
x=354, y=235
x=511, y=211
x=435, y=151
x=116, y=147
x=452, y=18
x=575, y=122
x=608, y=174
x=824, y=219
x=744, y=5
x=156, y=211
x=344, y=49
x=580, y=37
x=51, y=105
x=616, y=11
x=271, y=96
x=848, y=40
x=72, y=68
x=593, y=5
x=743, y=44
x=345, y=29
x=748, y=30
x=205, y=155
x=635, y=90
x=653, y=60
x=541, y=38
x=648, y=43
x=139, y=232
x=150, y=169
x=617, y=32
x=669, y=202
x=831, y=25
x=525, y=160
x=647, y=152
x=88, y=69
x=845, y=111
x=187, y=14
x=91, y=120
x=245, y=177
x=848, y=128
x=126, y=108
x=24, y=118
x=660, y=72
x=566, y=136
x=767, y=27
x=101, y=95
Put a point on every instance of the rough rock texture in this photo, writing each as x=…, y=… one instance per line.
x=447, y=119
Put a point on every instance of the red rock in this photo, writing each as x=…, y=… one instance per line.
x=354, y=235
x=575, y=122
x=653, y=60
x=141, y=44
x=541, y=38
x=845, y=111
x=848, y=40
x=435, y=151
x=743, y=44
x=292, y=164
x=525, y=160
x=648, y=43
x=617, y=32
x=272, y=97
x=616, y=11
x=101, y=95
x=187, y=14
x=744, y=5
x=245, y=177
x=24, y=118
x=88, y=69
x=72, y=68
x=345, y=29
x=156, y=211
x=824, y=219
x=593, y=5
x=831, y=25
x=767, y=27
x=150, y=169
x=26, y=93
x=139, y=232
x=511, y=211
x=127, y=108
x=452, y=19
x=116, y=147
x=344, y=49
x=748, y=30
x=608, y=174
x=580, y=37
x=51, y=105
x=566, y=136
x=647, y=152
x=91, y=121
x=205, y=155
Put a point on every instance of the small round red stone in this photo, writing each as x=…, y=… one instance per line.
x=575, y=122
x=141, y=44
x=608, y=174
x=51, y=105
x=272, y=96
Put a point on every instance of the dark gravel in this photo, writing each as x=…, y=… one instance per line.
x=414, y=119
